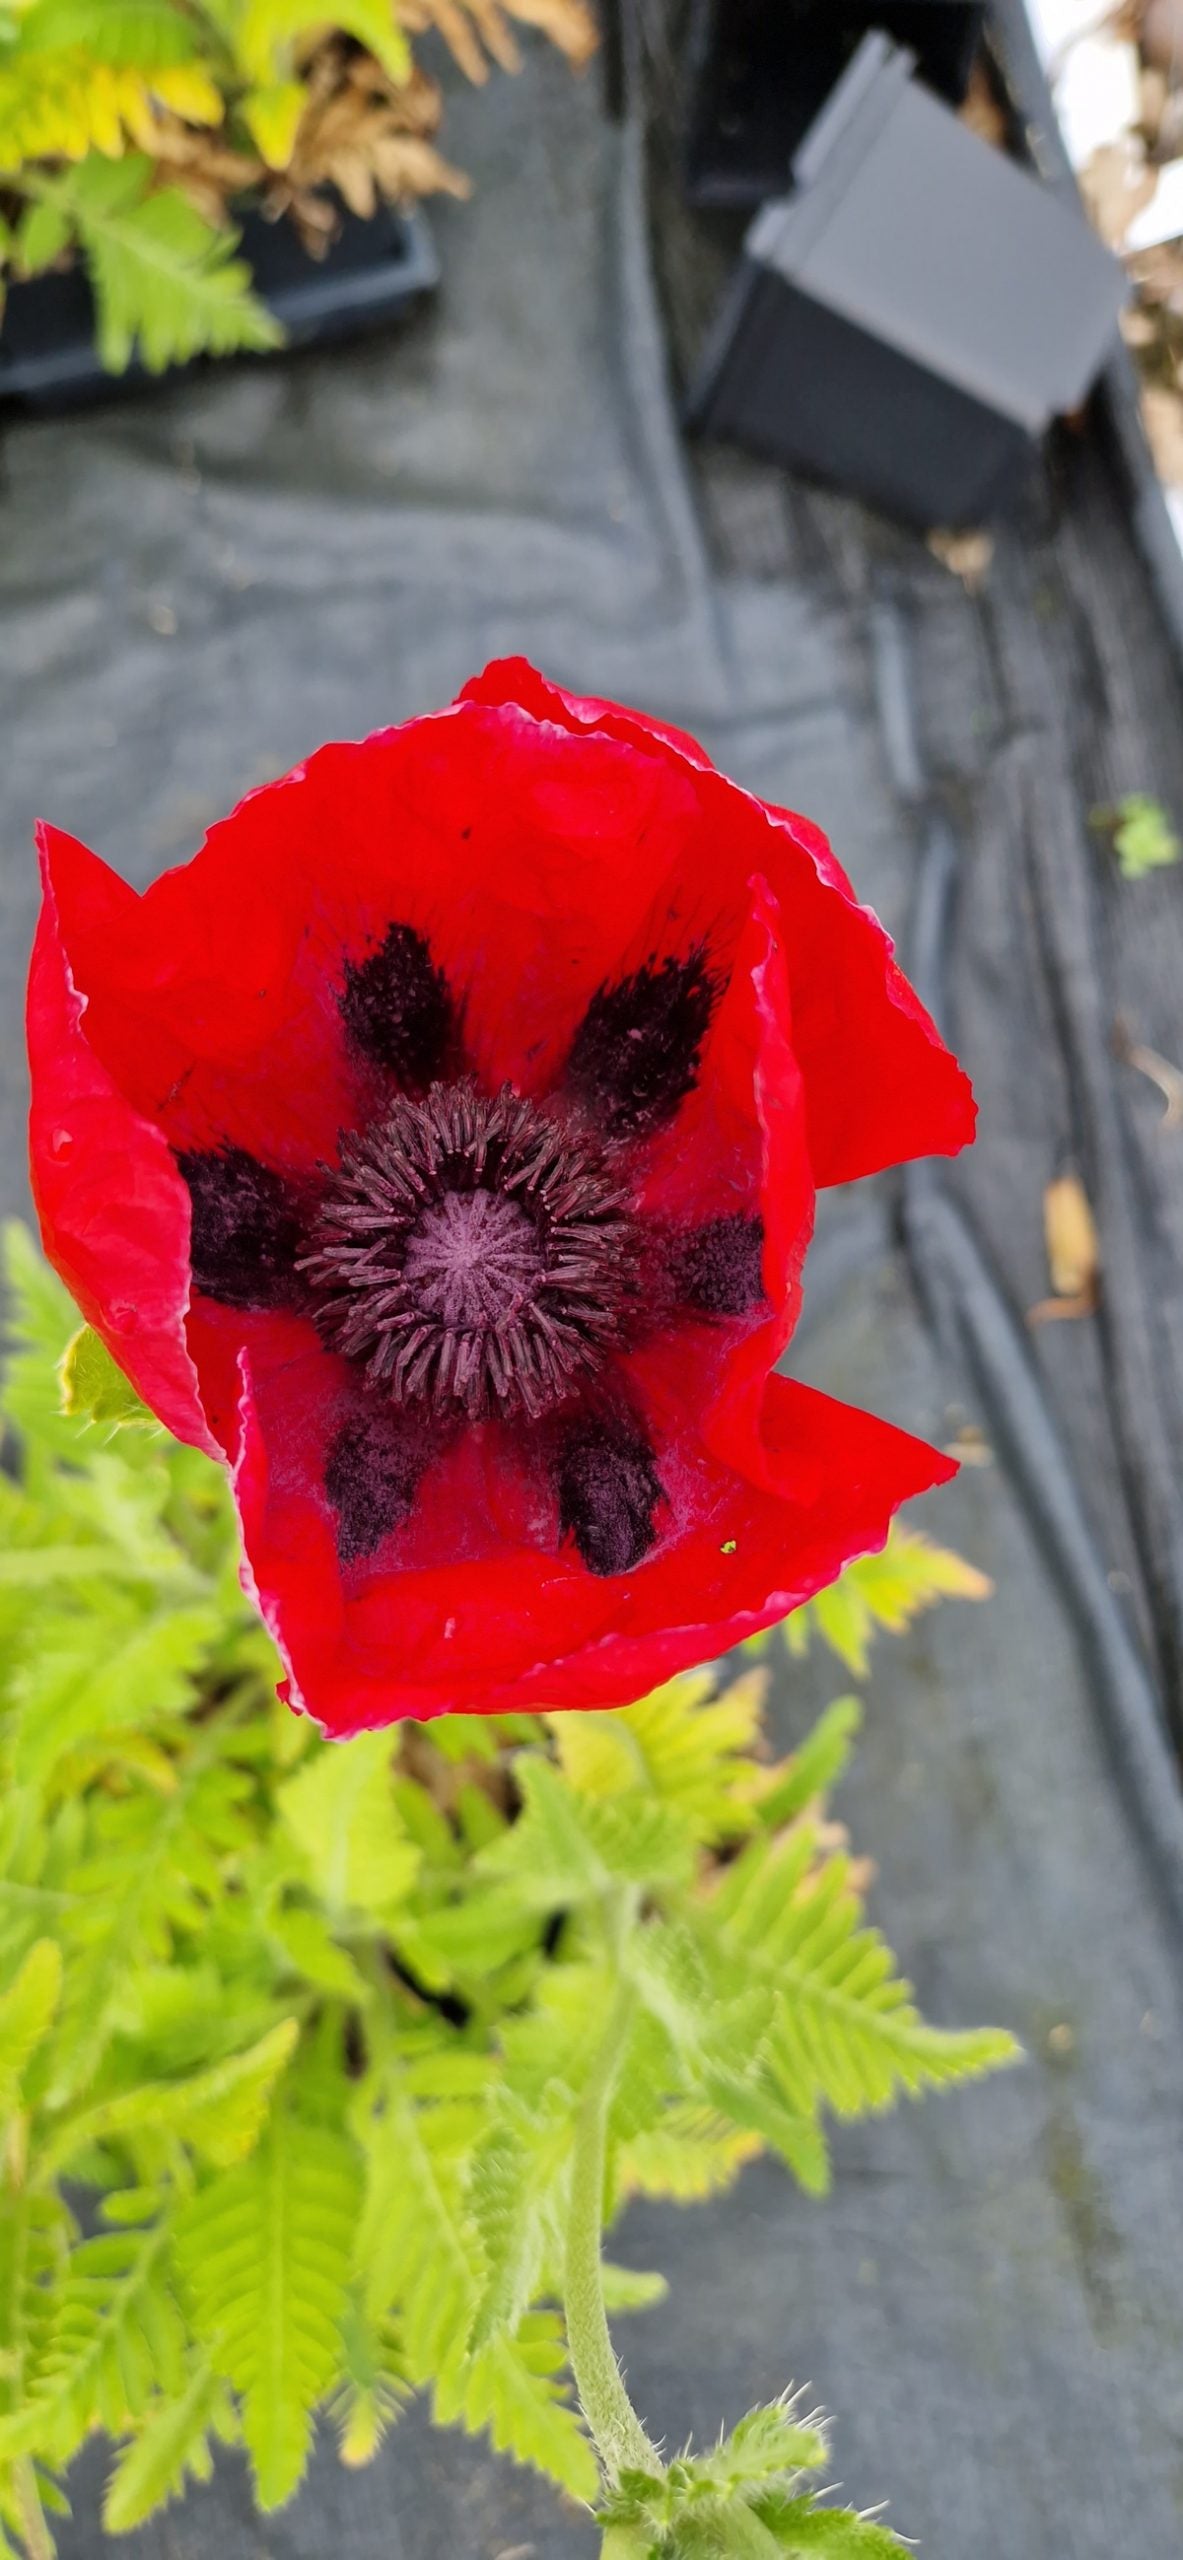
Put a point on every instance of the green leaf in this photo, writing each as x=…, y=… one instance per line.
x=845, y=2028
x=272, y=115
x=44, y=233
x=683, y=1743
x=714, y=2502
x=373, y=2389
x=631, y=2288
x=340, y=1810
x=467, y=1939
x=886, y=1590
x=153, y=1867
x=415, y=2248
x=172, y=2445
x=165, y=283
x=799, y=2525
x=565, y=1849
x=220, y=2111
x=309, y=1946
x=26, y=2014
x=767, y=2445
x=514, y=2388
x=34, y=2238
x=264, y=2253
x=1143, y=838
x=815, y=1768
x=142, y=1679
x=138, y=34
x=267, y=30
x=692, y=2152
x=40, y=1317
x=515, y=2178
x=94, y=1389
x=116, y=2333
x=755, y=2108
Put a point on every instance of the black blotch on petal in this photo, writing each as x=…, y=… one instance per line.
x=716, y=1268
x=398, y=1011
x=636, y=1053
x=371, y=1473
x=246, y=1228
x=609, y=1489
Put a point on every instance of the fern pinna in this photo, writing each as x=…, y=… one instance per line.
x=311, y=2057
x=134, y=134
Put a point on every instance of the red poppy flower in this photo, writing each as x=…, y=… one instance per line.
x=439, y=1148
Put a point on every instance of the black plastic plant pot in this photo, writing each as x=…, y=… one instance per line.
x=760, y=71
x=910, y=320
x=373, y=273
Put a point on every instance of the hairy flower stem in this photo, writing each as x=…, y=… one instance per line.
x=620, y=2438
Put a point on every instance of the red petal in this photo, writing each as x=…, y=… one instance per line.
x=528, y=860
x=745, y=1121
x=540, y=850
x=521, y=1628
x=114, y=1211
x=881, y=1086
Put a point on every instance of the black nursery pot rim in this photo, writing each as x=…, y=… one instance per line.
x=376, y=268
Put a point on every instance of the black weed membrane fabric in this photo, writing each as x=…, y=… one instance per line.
x=200, y=584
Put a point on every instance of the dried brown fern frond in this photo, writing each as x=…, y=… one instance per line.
x=367, y=137
x=478, y=32
x=208, y=170
x=570, y=25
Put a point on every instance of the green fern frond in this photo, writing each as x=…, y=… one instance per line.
x=415, y=2249
x=565, y=1849
x=267, y=34
x=516, y=2175
x=171, y=2446
x=35, y=2233
x=515, y=2389
x=264, y=2254
x=631, y=2288
x=341, y=1812
x=26, y=2014
x=684, y=1744
x=94, y=1388
x=166, y=285
x=756, y=2107
x=152, y=1867
x=140, y=34
x=886, y=1590
x=691, y=2153
x=813, y=1770
x=39, y=1318
x=705, y=2503
x=373, y=2388
x=550, y=2043
x=116, y=2336
x=464, y=1940
x=846, y=2030
x=60, y=106
x=220, y=2111
x=144, y=1678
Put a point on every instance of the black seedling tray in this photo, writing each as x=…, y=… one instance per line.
x=373, y=272
x=760, y=70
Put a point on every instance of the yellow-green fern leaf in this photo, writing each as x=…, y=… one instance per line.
x=887, y=1590
x=264, y=2254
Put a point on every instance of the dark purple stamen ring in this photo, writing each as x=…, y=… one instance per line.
x=474, y=1255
